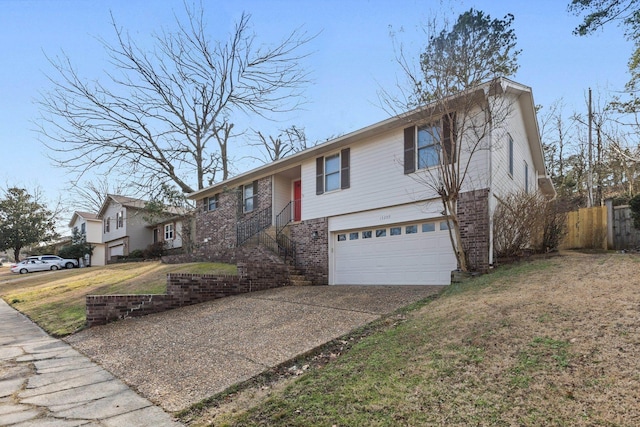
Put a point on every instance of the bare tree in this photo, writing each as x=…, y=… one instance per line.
x=89, y=195
x=289, y=141
x=458, y=90
x=165, y=114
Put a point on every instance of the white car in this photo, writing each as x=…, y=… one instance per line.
x=31, y=265
x=55, y=259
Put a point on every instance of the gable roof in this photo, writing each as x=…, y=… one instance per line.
x=126, y=201
x=499, y=86
x=87, y=216
x=134, y=203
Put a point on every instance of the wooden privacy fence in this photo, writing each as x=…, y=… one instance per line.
x=622, y=233
x=586, y=229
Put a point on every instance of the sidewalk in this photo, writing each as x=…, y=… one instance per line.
x=45, y=382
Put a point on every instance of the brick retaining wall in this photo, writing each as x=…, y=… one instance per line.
x=186, y=289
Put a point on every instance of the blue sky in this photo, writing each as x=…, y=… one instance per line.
x=352, y=58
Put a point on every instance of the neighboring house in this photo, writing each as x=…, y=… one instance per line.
x=89, y=225
x=127, y=226
x=356, y=211
x=171, y=231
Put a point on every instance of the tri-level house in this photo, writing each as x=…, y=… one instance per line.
x=356, y=210
x=89, y=226
x=128, y=226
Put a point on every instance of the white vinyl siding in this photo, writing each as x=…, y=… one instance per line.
x=504, y=180
x=377, y=179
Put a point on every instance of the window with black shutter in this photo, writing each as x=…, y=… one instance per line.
x=333, y=172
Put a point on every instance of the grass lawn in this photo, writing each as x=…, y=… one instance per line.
x=552, y=342
x=56, y=300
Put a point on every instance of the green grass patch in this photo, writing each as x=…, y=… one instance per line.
x=56, y=301
x=426, y=370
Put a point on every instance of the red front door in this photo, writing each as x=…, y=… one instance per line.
x=297, y=200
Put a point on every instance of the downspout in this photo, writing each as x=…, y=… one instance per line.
x=490, y=201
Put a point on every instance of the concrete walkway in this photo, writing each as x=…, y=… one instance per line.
x=45, y=382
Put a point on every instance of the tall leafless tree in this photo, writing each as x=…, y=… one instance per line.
x=289, y=141
x=457, y=88
x=165, y=113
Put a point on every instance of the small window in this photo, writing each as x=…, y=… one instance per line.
x=342, y=237
x=381, y=233
x=510, y=156
x=211, y=203
x=395, y=231
x=411, y=229
x=120, y=219
x=107, y=224
x=168, y=232
x=353, y=236
x=247, y=197
x=444, y=225
x=83, y=228
x=428, y=227
x=366, y=234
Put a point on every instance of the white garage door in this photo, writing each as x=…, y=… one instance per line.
x=407, y=254
x=116, y=250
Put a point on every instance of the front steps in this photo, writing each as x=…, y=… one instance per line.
x=298, y=279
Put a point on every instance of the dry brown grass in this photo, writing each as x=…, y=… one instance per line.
x=555, y=342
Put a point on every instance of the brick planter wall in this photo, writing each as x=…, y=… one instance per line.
x=186, y=289
x=312, y=258
x=473, y=214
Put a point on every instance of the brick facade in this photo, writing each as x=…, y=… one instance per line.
x=312, y=257
x=186, y=289
x=473, y=215
x=216, y=230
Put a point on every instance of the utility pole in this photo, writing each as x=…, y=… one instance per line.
x=590, y=174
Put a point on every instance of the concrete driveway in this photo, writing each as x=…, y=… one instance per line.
x=180, y=357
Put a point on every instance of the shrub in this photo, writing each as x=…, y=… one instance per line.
x=135, y=254
x=154, y=250
x=527, y=222
x=634, y=205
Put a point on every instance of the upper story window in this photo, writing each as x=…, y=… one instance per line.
x=168, y=232
x=333, y=172
x=510, y=156
x=428, y=147
x=211, y=203
x=83, y=228
x=250, y=197
x=431, y=144
x=107, y=224
x=120, y=219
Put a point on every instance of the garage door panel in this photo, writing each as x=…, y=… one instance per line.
x=422, y=258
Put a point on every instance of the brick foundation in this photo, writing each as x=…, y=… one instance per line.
x=473, y=215
x=186, y=289
x=312, y=257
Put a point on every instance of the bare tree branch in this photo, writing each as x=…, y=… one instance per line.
x=163, y=114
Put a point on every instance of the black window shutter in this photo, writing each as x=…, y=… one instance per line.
x=410, y=150
x=449, y=136
x=320, y=175
x=255, y=195
x=344, y=168
x=240, y=200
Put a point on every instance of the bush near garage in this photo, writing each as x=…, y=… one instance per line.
x=527, y=223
